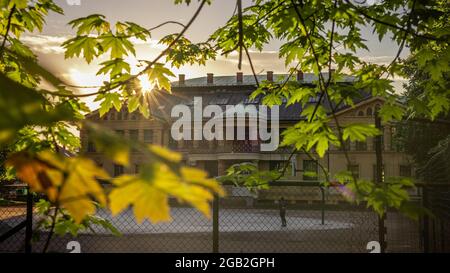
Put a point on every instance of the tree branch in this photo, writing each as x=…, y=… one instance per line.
x=408, y=31
x=8, y=27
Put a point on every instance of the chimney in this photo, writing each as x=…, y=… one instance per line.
x=181, y=79
x=300, y=76
x=239, y=77
x=210, y=78
x=270, y=76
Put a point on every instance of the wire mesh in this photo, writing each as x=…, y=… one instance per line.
x=247, y=222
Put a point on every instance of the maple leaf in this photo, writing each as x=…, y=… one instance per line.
x=81, y=46
x=81, y=186
x=158, y=75
x=70, y=182
x=148, y=192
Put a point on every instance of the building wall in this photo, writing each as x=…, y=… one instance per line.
x=198, y=153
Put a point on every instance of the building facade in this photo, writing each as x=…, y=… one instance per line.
x=216, y=156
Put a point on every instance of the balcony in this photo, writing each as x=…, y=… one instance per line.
x=236, y=146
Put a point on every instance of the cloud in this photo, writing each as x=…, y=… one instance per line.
x=77, y=71
x=377, y=59
x=45, y=43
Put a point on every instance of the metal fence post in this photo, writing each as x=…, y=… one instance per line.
x=215, y=232
x=323, y=204
x=29, y=221
x=426, y=222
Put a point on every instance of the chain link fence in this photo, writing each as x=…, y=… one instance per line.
x=317, y=220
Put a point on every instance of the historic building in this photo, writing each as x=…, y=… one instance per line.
x=217, y=155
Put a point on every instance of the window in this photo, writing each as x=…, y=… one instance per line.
x=91, y=147
x=136, y=168
x=360, y=113
x=310, y=170
x=369, y=112
x=119, y=115
x=374, y=172
x=125, y=115
x=148, y=136
x=405, y=170
x=134, y=135
x=134, y=116
x=354, y=169
x=377, y=108
x=347, y=145
x=276, y=165
x=361, y=145
x=118, y=170
x=120, y=132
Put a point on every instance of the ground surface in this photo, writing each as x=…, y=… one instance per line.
x=241, y=230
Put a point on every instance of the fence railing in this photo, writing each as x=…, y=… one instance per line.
x=317, y=218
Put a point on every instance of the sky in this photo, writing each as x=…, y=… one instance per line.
x=149, y=13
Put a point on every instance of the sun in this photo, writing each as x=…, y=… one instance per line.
x=146, y=85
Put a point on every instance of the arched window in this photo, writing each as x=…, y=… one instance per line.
x=360, y=113
x=369, y=111
x=377, y=107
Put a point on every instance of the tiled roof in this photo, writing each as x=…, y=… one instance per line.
x=227, y=96
x=249, y=80
x=225, y=91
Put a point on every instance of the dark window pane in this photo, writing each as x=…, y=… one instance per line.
x=118, y=170
x=361, y=146
x=120, y=132
x=134, y=135
x=91, y=147
x=148, y=136
x=405, y=170
x=276, y=165
x=310, y=170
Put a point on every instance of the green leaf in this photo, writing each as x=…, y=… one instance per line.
x=137, y=31
x=110, y=100
x=87, y=25
x=158, y=75
x=21, y=106
x=322, y=146
x=114, y=67
x=82, y=46
x=390, y=112
x=133, y=103
x=119, y=46
x=359, y=131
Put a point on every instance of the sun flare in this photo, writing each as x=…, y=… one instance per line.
x=146, y=85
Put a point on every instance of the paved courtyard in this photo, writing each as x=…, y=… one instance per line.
x=241, y=230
